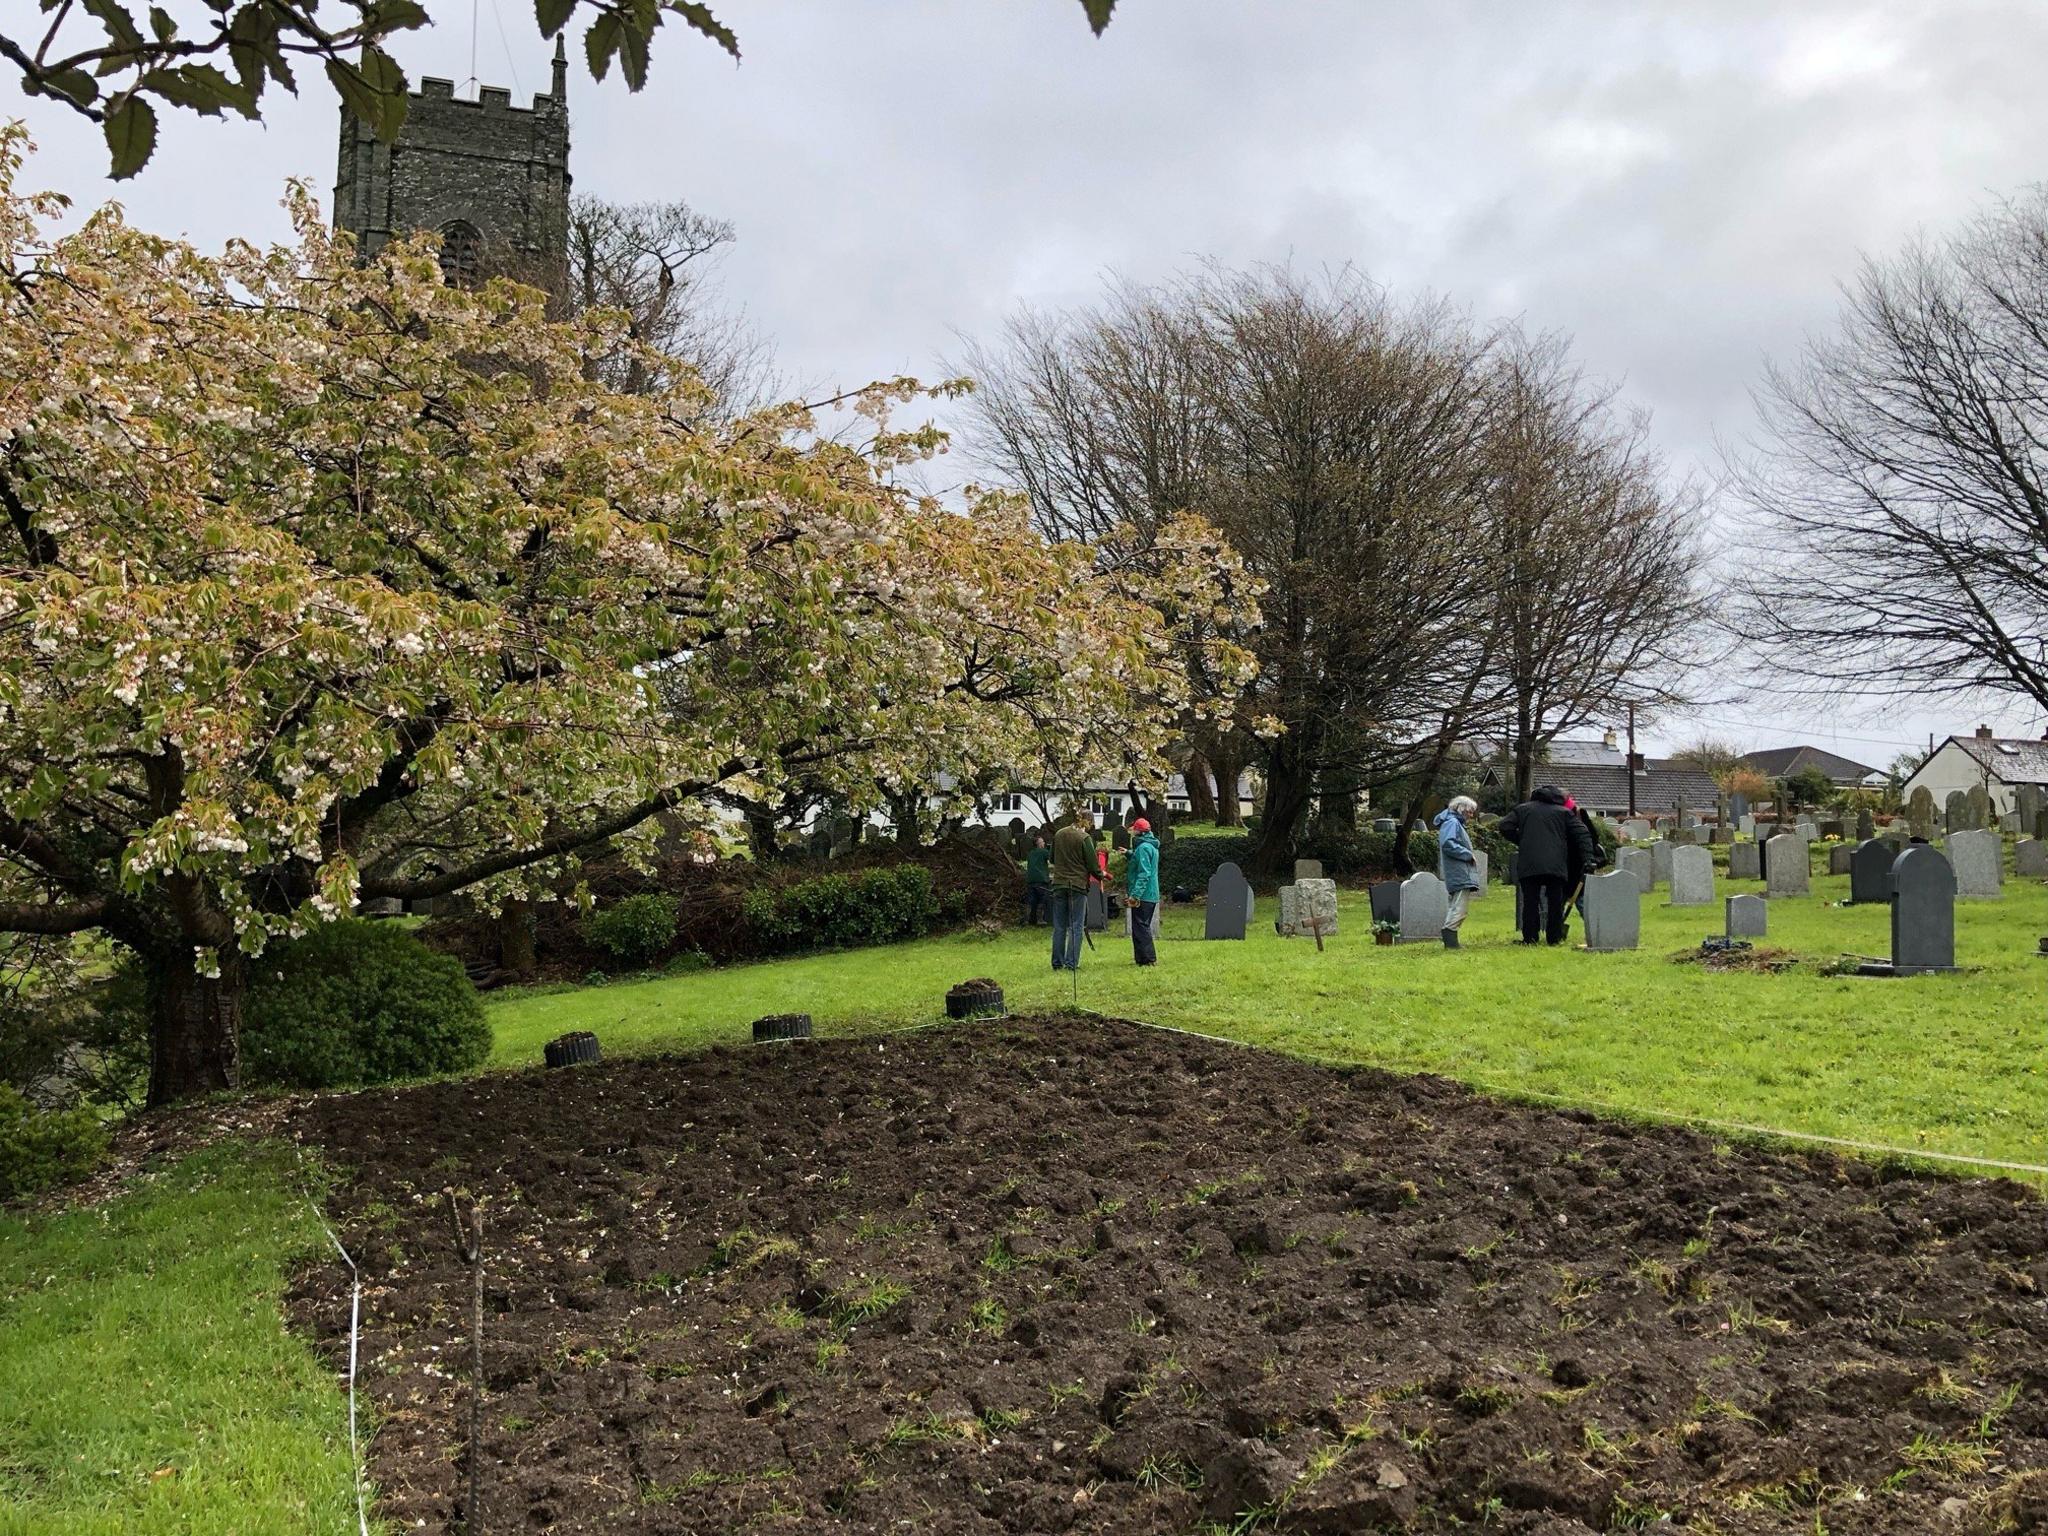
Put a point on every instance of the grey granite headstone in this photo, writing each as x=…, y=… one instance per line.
x=1425, y=904
x=1635, y=863
x=1308, y=869
x=1660, y=863
x=1386, y=901
x=1956, y=812
x=1635, y=829
x=1975, y=858
x=1482, y=865
x=1807, y=828
x=1746, y=824
x=1923, y=912
x=1692, y=877
x=2027, y=805
x=1614, y=911
x=1745, y=861
x=1230, y=904
x=1866, y=825
x=2030, y=858
x=1749, y=917
x=1839, y=856
x=1870, y=871
x=1979, y=802
x=1785, y=866
x=1920, y=812
x=1738, y=807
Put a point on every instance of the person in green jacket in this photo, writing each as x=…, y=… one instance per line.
x=1141, y=886
x=1038, y=882
x=1073, y=866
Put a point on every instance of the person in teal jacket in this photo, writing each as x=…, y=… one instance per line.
x=1141, y=886
x=1038, y=883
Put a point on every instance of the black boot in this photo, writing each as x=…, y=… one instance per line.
x=1450, y=938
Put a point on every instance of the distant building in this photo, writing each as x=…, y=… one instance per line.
x=2001, y=764
x=490, y=178
x=1784, y=762
x=1598, y=775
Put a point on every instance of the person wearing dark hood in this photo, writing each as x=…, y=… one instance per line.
x=1141, y=888
x=1551, y=846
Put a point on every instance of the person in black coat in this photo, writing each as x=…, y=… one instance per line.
x=1552, y=846
x=1599, y=860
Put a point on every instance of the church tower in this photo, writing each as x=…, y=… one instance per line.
x=491, y=178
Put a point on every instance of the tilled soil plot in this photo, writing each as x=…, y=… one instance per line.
x=1065, y=1275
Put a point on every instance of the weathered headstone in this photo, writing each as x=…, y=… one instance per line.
x=1923, y=912
x=1230, y=904
x=1635, y=829
x=1738, y=807
x=1839, y=856
x=1700, y=836
x=1692, y=877
x=1745, y=861
x=1956, y=812
x=1635, y=863
x=2030, y=858
x=1308, y=869
x=1308, y=907
x=1614, y=911
x=1386, y=901
x=2027, y=805
x=1866, y=825
x=1786, y=872
x=1385, y=825
x=1749, y=917
x=1746, y=824
x=1979, y=802
x=1687, y=820
x=1807, y=828
x=1482, y=867
x=1660, y=863
x=1975, y=858
x=1425, y=905
x=1720, y=835
x=1870, y=871
x=1920, y=812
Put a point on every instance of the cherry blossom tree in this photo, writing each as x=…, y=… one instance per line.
x=331, y=581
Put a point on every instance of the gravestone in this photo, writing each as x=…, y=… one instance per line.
x=2009, y=822
x=1660, y=864
x=1230, y=904
x=1956, y=812
x=1308, y=869
x=1746, y=825
x=1833, y=827
x=2030, y=858
x=2026, y=804
x=380, y=906
x=1692, y=877
x=1920, y=812
x=1687, y=820
x=1635, y=829
x=1749, y=917
x=1386, y=901
x=1838, y=858
x=1745, y=861
x=1807, y=828
x=1482, y=864
x=1120, y=839
x=1720, y=835
x=1979, y=802
x=1974, y=859
x=1866, y=825
x=1870, y=871
x=1614, y=911
x=1738, y=807
x=1700, y=837
x=1923, y=912
x=1307, y=907
x=1425, y=905
x=1635, y=863
x=1785, y=867
x=1385, y=825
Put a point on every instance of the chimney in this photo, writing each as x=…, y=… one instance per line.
x=1984, y=733
x=1607, y=740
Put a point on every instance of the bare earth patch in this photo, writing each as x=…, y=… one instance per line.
x=1068, y=1275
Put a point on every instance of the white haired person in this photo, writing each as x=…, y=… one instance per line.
x=1455, y=864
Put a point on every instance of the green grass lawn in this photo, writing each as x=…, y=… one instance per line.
x=1955, y=1064
x=146, y=1381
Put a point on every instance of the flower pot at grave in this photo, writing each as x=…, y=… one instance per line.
x=976, y=999
x=571, y=1049
x=1382, y=937
x=782, y=1026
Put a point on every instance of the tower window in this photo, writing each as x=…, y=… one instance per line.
x=461, y=253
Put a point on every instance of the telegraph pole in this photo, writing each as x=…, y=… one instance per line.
x=1631, y=769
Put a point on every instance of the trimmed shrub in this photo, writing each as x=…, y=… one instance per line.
x=357, y=1002
x=1192, y=857
x=39, y=1148
x=872, y=906
x=634, y=930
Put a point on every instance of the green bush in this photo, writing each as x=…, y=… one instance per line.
x=874, y=906
x=633, y=930
x=39, y=1148
x=358, y=1002
x=1192, y=857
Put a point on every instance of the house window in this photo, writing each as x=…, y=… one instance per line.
x=1105, y=806
x=1007, y=803
x=461, y=254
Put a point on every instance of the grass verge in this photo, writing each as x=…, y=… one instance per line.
x=147, y=1383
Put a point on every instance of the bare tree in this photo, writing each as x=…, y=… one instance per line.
x=1718, y=760
x=1899, y=497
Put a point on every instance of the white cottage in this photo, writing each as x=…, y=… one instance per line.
x=2001, y=764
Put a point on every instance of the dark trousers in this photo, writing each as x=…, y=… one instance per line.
x=1037, y=904
x=1543, y=906
x=1143, y=949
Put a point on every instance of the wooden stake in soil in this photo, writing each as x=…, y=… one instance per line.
x=469, y=1247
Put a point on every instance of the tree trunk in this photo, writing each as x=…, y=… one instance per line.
x=195, y=1026
x=1337, y=805
x=1201, y=794
x=515, y=938
x=1289, y=784
x=1229, y=809
x=761, y=830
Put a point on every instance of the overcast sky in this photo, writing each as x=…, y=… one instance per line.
x=1678, y=186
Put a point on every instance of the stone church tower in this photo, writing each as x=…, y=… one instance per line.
x=491, y=178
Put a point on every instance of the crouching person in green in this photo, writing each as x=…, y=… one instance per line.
x=1141, y=886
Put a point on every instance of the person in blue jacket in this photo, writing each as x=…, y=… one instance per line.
x=1141, y=886
x=1455, y=865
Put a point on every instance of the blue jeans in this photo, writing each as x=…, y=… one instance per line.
x=1069, y=913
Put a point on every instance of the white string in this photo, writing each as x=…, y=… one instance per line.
x=355, y=1311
